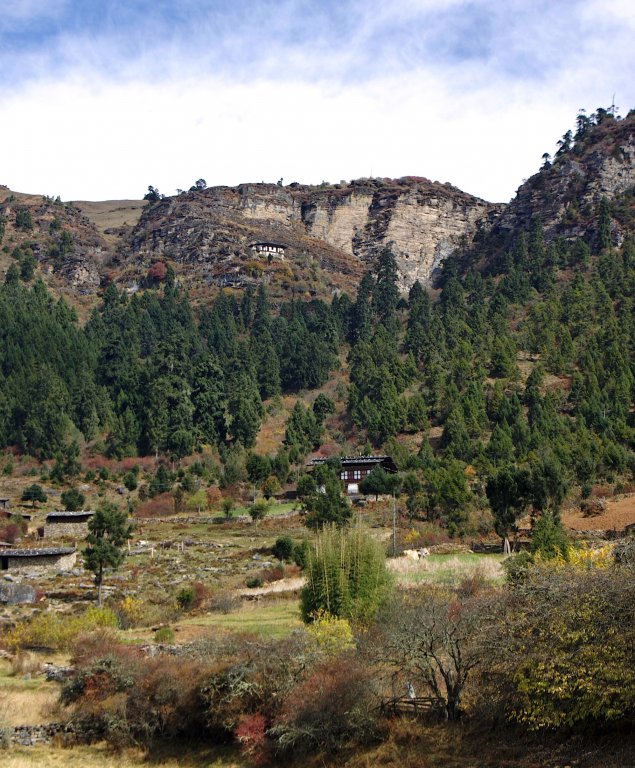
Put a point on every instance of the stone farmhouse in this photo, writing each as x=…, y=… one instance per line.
x=61, y=523
x=45, y=559
x=355, y=468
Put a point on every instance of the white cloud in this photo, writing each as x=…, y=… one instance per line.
x=395, y=98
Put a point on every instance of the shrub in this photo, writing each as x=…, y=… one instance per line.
x=276, y=573
x=73, y=500
x=55, y=631
x=569, y=658
x=283, y=548
x=224, y=601
x=185, y=598
x=251, y=734
x=334, y=707
x=130, y=481
x=254, y=582
x=164, y=635
x=258, y=510
x=129, y=612
x=331, y=634
x=159, y=506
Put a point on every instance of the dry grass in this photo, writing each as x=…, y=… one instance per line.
x=25, y=698
x=99, y=756
x=108, y=214
x=448, y=570
x=268, y=620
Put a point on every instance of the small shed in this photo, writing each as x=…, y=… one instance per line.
x=45, y=559
x=355, y=468
x=269, y=250
x=61, y=523
x=5, y=503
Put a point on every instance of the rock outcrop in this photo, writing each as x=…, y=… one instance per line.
x=342, y=228
x=565, y=195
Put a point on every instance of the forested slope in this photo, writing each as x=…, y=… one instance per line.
x=518, y=368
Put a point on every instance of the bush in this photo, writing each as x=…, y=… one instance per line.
x=57, y=632
x=164, y=635
x=334, y=707
x=283, y=548
x=191, y=596
x=270, y=575
x=224, y=601
x=73, y=500
x=258, y=510
x=185, y=598
x=129, y=612
x=331, y=634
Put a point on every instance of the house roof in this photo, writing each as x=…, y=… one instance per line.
x=64, y=514
x=347, y=461
x=38, y=552
x=268, y=242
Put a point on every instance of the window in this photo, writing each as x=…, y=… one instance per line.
x=357, y=474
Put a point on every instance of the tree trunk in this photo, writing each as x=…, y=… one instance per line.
x=506, y=547
x=99, y=581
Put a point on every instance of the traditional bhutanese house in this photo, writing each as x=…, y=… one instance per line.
x=355, y=468
x=67, y=524
x=45, y=559
x=269, y=250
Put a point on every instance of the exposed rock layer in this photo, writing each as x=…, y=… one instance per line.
x=343, y=227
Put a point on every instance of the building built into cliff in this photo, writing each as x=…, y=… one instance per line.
x=269, y=250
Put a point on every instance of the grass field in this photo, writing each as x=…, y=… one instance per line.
x=24, y=698
x=98, y=756
x=269, y=620
x=448, y=570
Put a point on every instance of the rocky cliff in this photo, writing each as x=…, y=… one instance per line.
x=565, y=194
x=340, y=228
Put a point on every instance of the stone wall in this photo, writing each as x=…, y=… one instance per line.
x=43, y=562
x=58, y=530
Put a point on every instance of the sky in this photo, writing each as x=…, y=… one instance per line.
x=100, y=99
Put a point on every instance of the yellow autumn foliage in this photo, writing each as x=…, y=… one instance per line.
x=55, y=631
x=332, y=634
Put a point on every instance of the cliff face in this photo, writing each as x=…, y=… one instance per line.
x=565, y=194
x=342, y=228
x=66, y=246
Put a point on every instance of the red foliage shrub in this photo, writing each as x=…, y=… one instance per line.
x=251, y=733
x=292, y=571
x=214, y=497
x=201, y=592
x=160, y=506
x=99, y=462
x=10, y=533
x=334, y=706
x=272, y=574
x=157, y=271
